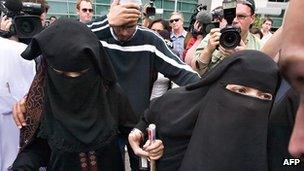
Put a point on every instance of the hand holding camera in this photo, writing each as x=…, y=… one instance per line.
x=24, y=21
x=150, y=9
x=5, y=23
x=214, y=39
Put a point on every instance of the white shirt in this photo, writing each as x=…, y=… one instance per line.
x=160, y=86
x=266, y=37
x=16, y=75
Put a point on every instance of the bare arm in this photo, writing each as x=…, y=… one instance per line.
x=190, y=55
x=273, y=45
x=291, y=64
x=204, y=53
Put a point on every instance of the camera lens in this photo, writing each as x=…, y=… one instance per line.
x=27, y=26
x=230, y=38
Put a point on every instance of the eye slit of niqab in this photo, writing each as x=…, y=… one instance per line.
x=71, y=74
x=248, y=91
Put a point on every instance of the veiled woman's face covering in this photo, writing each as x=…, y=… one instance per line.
x=230, y=132
x=76, y=110
x=249, y=91
x=71, y=74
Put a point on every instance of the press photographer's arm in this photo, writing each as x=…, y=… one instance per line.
x=231, y=37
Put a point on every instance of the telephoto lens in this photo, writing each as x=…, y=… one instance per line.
x=230, y=37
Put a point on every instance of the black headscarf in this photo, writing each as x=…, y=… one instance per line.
x=211, y=128
x=231, y=129
x=76, y=113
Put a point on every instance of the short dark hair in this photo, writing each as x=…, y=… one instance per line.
x=53, y=17
x=267, y=19
x=162, y=21
x=256, y=31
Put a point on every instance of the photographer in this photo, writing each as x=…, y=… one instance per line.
x=28, y=14
x=210, y=51
x=148, y=14
x=204, y=21
x=16, y=75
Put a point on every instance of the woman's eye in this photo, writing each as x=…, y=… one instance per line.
x=265, y=96
x=241, y=90
x=71, y=74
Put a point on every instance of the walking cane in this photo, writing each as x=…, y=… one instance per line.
x=151, y=135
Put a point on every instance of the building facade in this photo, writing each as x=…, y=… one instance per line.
x=272, y=8
x=67, y=8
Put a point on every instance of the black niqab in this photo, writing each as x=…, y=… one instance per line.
x=211, y=128
x=231, y=129
x=76, y=114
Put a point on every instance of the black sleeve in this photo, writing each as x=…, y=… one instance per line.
x=170, y=65
x=121, y=109
x=150, y=115
x=100, y=27
x=34, y=156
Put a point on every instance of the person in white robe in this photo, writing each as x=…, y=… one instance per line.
x=16, y=75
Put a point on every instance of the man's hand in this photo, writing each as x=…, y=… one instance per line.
x=18, y=113
x=214, y=39
x=125, y=14
x=5, y=23
x=228, y=52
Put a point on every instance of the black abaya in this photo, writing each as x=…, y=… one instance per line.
x=205, y=126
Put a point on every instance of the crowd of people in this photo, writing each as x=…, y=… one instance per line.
x=84, y=89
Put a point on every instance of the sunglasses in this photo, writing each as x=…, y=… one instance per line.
x=176, y=20
x=85, y=10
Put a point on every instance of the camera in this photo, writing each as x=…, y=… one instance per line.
x=209, y=20
x=150, y=9
x=25, y=18
x=230, y=35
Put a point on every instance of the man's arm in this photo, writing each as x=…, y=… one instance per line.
x=273, y=44
x=170, y=65
x=205, y=50
x=118, y=15
x=291, y=64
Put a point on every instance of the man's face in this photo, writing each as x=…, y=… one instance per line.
x=266, y=26
x=85, y=12
x=124, y=33
x=176, y=22
x=243, y=18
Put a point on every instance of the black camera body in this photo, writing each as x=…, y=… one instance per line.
x=230, y=35
x=150, y=9
x=208, y=20
x=25, y=18
x=206, y=27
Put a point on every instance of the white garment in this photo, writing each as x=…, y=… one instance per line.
x=266, y=37
x=160, y=86
x=16, y=75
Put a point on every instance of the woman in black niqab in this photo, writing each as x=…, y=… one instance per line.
x=83, y=107
x=205, y=126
